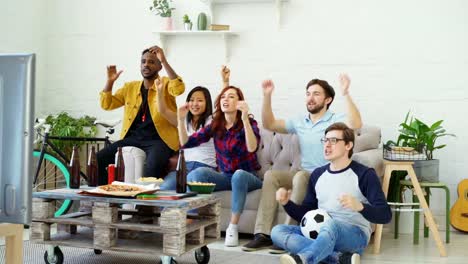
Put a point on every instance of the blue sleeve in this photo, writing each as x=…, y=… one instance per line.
x=339, y=118
x=201, y=136
x=291, y=126
x=377, y=210
x=310, y=201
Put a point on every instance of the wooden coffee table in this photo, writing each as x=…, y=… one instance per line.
x=158, y=226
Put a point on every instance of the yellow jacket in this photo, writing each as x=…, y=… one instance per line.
x=129, y=96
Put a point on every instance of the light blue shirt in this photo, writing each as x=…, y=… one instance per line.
x=309, y=135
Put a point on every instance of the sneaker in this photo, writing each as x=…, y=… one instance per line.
x=349, y=258
x=232, y=237
x=274, y=249
x=290, y=259
x=260, y=241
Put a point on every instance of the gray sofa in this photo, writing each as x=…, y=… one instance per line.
x=276, y=152
x=281, y=152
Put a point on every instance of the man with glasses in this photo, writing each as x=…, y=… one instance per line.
x=349, y=192
x=309, y=128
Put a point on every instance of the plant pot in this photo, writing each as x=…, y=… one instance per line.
x=188, y=26
x=167, y=24
x=427, y=170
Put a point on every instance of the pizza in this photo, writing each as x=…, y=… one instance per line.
x=120, y=189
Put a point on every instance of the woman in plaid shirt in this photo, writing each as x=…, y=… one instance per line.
x=236, y=137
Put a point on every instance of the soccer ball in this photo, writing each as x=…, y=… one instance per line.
x=312, y=221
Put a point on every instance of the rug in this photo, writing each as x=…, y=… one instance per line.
x=34, y=254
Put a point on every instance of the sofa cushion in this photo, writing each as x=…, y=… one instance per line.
x=371, y=158
x=251, y=202
x=367, y=137
x=278, y=152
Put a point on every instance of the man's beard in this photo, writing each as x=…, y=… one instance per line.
x=316, y=109
x=151, y=76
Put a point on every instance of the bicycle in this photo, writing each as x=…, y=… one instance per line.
x=51, y=172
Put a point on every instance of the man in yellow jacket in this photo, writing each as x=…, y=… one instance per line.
x=145, y=124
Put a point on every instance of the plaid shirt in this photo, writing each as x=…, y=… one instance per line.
x=231, y=150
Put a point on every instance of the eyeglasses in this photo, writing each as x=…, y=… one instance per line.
x=332, y=140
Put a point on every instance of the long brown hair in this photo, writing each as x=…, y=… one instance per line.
x=219, y=121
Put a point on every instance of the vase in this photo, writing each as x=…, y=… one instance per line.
x=167, y=24
x=188, y=26
x=427, y=170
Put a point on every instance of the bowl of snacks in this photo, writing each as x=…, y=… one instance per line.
x=150, y=181
x=201, y=187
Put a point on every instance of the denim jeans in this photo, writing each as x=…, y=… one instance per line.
x=335, y=236
x=240, y=182
x=170, y=179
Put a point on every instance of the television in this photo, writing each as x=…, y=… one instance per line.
x=17, y=81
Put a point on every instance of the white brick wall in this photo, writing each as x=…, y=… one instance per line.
x=401, y=55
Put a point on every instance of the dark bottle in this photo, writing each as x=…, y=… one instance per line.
x=120, y=167
x=181, y=174
x=91, y=168
x=75, y=169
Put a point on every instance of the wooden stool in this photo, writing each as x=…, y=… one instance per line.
x=427, y=186
x=408, y=166
x=14, y=242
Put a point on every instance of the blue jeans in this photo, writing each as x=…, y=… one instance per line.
x=335, y=236
x=170, y=179
x=240, y=182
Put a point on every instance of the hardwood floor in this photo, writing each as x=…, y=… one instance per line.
x=400, y=250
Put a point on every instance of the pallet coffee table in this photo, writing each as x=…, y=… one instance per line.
x=158, y=226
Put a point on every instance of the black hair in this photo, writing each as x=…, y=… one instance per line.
x=208, y=110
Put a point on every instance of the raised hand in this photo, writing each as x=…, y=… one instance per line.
x=182, y=111
x=283, y=196
x=268, y=87
x=225, y=73
x=350, y=202
x=159, y=84
x=244, y=108
x=159, y=53
x=112, y=73
x=344, y=83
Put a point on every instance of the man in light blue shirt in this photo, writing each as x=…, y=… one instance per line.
x=310, y=129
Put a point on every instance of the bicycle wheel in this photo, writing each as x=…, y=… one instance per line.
x=53, y=174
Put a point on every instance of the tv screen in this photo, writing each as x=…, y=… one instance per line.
x=16, y=136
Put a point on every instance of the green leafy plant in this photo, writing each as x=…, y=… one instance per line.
x=64, y=125
x=186, y=19
x=162, y=8
x=420, y=136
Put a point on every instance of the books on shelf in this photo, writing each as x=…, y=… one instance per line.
x=218, y=27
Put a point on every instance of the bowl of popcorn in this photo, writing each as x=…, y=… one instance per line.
x=150, y=181
x=201, y=187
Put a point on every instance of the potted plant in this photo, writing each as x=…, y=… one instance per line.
x=163, y=9
x=419, y=139
x=64, y=125
x=187, y=22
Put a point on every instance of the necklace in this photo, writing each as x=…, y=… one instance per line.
x=144, y=107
